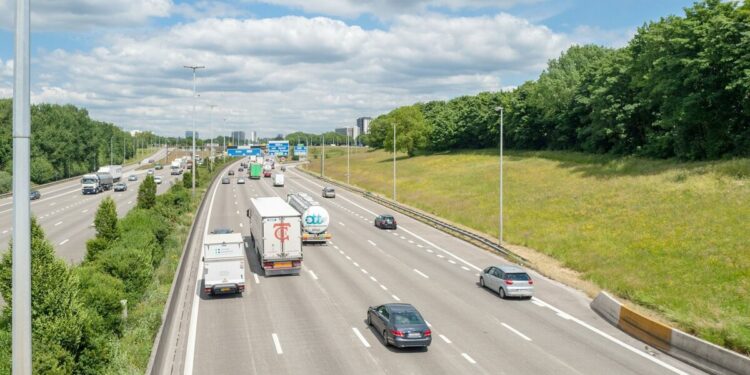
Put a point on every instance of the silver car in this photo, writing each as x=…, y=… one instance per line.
x=508, y=281
x=240, y=180
x=157, y=179
x=329, y=192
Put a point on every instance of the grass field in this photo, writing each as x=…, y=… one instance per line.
x=669, y=236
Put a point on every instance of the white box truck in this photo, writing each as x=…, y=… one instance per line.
x=278, y=179
x=223, y=264
x=114, y=170
x=275, y=232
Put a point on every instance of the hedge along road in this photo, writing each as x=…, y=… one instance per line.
x=315, y=322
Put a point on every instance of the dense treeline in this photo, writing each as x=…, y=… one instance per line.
x=65, y=142
x=680, y=88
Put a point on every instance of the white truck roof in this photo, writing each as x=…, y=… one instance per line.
x=215, y=239
x=273, y=207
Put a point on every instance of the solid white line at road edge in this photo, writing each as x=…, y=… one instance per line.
x=471, y=360
x=580, y=322
x=190, y=350
x=361, y=338
x=314, y=276
x=277, y=344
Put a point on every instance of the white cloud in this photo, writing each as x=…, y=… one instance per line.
x=82, y=15
x=389, y=8
x=292, y=73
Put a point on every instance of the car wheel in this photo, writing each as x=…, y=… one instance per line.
x=502, y=293
x=369, y=320
x=481, y=282
x=385, y=338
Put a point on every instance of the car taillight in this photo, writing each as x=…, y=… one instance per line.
x=267, y=264
x=531, y=282
x=396, y=332
x=427, y=333
x=296, y=263
x=508, y=282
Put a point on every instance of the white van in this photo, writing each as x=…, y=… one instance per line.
x=278, y=179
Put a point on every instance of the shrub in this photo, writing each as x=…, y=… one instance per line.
x=102, y=293
x=105, y=221
x=147, y=193
x=6, y=182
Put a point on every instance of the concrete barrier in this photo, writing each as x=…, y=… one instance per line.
x=699, y=353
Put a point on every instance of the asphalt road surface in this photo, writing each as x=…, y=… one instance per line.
x=67, y=216
x=314, y=323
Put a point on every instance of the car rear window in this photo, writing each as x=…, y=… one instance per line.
x=407, y=317
x=522, y=276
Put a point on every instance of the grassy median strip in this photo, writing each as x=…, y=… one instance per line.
x=670, y=236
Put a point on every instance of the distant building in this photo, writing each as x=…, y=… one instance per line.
x=253, y=136
x=238, y=137
x=351, y=132
x=363, y=124
x=189, y=134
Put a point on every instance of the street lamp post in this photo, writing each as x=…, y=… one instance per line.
x=323, y=159
x=211, y=134
x=348, y=148
x=21, y=249
x=194, y=68
x=500, y=224
x=394, y=161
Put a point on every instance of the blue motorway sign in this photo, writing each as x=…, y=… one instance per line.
x=244, y=151
x=278, y=148
x=300, y=150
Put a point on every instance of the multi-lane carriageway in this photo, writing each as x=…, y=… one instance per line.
x=314, y=323
x=67, y=216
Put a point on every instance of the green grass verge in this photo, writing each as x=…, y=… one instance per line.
x=131, y=351
x=667, y=235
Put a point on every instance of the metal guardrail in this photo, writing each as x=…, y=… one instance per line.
x=438, y=223
x=159, y=359
x=57, y=182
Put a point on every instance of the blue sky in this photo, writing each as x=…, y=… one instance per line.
x=307, y=65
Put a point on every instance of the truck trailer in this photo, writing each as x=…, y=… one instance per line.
x=96, y=183
x=276, y=235
x=114, y=170
x=315, y=218
x=256, y=170
x=223, y=264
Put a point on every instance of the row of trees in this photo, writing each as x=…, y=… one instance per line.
x=77, y=311
x=680, y=88
x=65, y=142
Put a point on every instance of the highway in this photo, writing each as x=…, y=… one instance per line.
x=67, y=216
x=314, y=323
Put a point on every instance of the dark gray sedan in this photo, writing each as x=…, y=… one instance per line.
x=400, y=324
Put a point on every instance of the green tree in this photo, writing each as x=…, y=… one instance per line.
x=62, y=328
x=411, y=130
x=187, y=180
x=147, y=193
x=105, y=220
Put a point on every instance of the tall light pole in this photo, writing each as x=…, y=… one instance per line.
x=21, y=279
x=500, y=224
x=323, y=159
x=211, y=131
x=111, y=158
x=348, y=148
x=394, y=161
x=194, y=68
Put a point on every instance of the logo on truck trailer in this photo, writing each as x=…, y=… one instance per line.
x=280, y=231
x=314, y=219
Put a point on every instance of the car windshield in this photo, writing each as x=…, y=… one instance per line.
x=407, y=317
x=388, y=219
x=522, y=276
x=88, y=180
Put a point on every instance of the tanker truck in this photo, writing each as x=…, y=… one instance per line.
x=315, y=218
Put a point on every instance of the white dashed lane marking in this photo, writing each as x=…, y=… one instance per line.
x=471, y=360
x=421, y=273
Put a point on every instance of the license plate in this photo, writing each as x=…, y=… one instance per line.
x=282, y=265
x=224, y=289
x=414, y=335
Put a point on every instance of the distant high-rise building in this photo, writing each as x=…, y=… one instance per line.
x=237, y=137
x=363, y=124
x=253, y=136
x=189, y=134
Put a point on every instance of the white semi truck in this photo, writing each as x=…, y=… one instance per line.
x=276, y=235
x=223, y=264
x=315, y=218
x=96, y=183
x=175, y=168
x=114, y=170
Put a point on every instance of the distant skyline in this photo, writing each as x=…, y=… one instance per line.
x=278, y=66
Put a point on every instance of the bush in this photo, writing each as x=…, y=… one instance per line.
x=131, y=262
x=6, y=182
x=106, y=220
x=147, y=193
x=102, y=293
x=95, y=246
x=187, y=180
x=42, y=171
